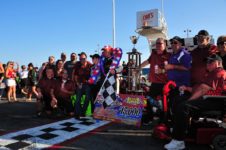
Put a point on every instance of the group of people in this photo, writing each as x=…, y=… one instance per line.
x=56, y=81
x=196, y=73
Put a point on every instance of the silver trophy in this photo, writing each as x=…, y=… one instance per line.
x=134, y=40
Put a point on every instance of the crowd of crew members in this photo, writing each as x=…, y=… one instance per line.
x=56, y=81
x=53, y=84
x=196, y=73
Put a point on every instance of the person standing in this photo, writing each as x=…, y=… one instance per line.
x=2, y=84
x=108, y=63
x=157, y=60
x=157, y=75
x=63, y=57
x=94, y=87
x=23, y=79
x=81, y=76
x=105, y=63
x=59, y=68
x=10, y=75
x=221, y=45
x=69, y=65
x=199, y=55
x=178, y=68
x=2, y=70
x=31, y=81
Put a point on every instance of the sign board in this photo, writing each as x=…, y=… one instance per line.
x=125, y=109
x=152, y=25
x=149, y=18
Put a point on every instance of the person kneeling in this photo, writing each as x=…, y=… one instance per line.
x=63, y=90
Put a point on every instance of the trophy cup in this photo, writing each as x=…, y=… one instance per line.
x=134, y=40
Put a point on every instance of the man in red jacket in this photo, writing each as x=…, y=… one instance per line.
x=199, y=54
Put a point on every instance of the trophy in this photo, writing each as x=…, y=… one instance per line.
x=134, y=40
x=133, y=78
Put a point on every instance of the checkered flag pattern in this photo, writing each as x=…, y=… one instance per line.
x=48, y=135
x=108, y=90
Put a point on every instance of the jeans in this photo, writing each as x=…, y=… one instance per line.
x=95, y=88
x=85, y=89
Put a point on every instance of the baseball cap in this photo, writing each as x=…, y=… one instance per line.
x=221, y=39
x=213, y=57
x=30, y=65
x=63, y=54
x=95, y=56
x=177, y=38
x=107, y=48
x=82, y=53
x=203, y=33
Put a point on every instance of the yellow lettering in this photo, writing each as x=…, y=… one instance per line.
x=132, y=100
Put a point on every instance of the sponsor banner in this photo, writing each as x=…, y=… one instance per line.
x=125, y=109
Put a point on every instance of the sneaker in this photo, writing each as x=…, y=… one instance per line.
x=175, y=145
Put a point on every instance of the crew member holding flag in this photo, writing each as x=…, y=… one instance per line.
x=105, y=70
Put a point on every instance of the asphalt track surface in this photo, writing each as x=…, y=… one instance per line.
x=21, y=115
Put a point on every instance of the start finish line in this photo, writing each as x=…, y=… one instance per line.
x=48, y=135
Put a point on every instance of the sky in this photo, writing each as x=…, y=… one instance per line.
x=32, y=30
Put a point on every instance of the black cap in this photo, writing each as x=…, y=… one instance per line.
x=82, y=53
x=177, y=38
x=213, y=57
x=63, y=54
x=203, y=33
x=30, y=65
x=221, y=39
x=95, y=56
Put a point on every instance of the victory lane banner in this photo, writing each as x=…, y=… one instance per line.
x=125, y=109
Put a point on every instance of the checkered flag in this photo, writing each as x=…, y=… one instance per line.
x=108, y=90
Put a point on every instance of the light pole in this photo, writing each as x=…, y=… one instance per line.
x=162, y=7
x=113, y=23
x=98, y=49
x=187, y=31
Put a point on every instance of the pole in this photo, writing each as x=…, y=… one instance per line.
x=113, y=23
x=162, y=8
x=98, y=48
x=187, y=31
